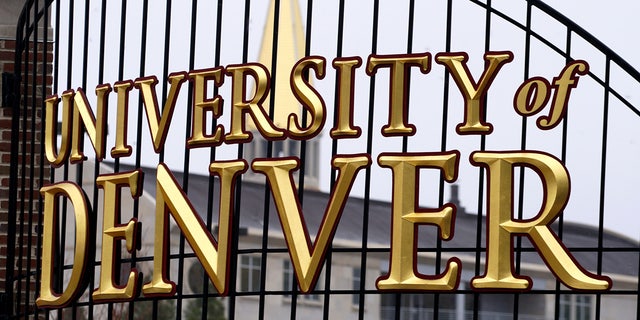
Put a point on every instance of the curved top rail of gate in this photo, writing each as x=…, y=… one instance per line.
x=30, y=18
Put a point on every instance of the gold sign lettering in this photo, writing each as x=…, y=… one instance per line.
x=501, y=227
x=309, y=97
x=113, y=231
x=52, y=194
x=250, y=86
x=212, y=254
x=202, y=105
x=534, y=94
x=345, y=68
x=398, y=94
x=306, y=257
x=57, y=157
x=95, y=129
x=121, y=148
x=159, y=125
x=405, y=217
x=253, y=106
x=473, y=92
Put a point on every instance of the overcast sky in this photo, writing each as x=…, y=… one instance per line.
x=615, y=24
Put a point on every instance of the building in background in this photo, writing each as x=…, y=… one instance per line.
x=345, y=261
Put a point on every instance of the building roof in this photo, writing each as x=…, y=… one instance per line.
x=619, y=253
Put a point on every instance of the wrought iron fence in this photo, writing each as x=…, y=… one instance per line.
x=96, y=42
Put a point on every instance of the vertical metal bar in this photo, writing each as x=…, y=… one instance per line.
x=116, y=165
x=138, y=156
x=23, y=163
x=121, y=64
x=367, y=181
x=167, y=55
x=56, y=82
x=14, y=165
x=339, y=40
x=438, y=257
x=165, y=68
x=603, y=175
x=187, y=154
x=523, y=146
x=266, y=198
x=96, y=169
x=411, y=13
x=38, y=230
x=303, y=144
x=7, y=307
x=79, y=169
x=31, y=156
x=233, y=250
x=212, y=154
x=59, y=259
x=638, y=287
x=365, y=215
x=334, y=143
x=445, y=118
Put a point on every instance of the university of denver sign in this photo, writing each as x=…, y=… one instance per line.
x=250, y=85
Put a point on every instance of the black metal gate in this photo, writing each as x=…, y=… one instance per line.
x=63, y=45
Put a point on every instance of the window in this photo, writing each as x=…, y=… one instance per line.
x=287, y=277
x=355, y=285
x=257, y=148
x=413, y=306
x=575, y=307
x=419, y=306
x=250, y=273
x=288, y=282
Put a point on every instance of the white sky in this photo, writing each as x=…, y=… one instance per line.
x=614, y=22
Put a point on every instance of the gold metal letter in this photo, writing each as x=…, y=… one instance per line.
x=121, y=148
x=212, y=254
x=95, y=129
x=343, y=127
x=241, y=105
x=532, y=96
x=501, y=227
x=398, y=92
x=202, y=105
x=113, y=231
x=57, y=158
x=563, y=84
x=308, y=258
x=308, y=97
x=51, y=194
x=473, y=93
x=405, y=216
x=159, y=125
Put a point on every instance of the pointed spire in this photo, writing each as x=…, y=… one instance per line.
x=455, y=200
x=454, y=195
x=290, y=49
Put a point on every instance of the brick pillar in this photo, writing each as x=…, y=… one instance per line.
x=6, y=65
x=25, y=239
x=7, y=46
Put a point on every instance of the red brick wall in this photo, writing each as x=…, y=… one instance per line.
x=34, y=100
x=6, y=65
